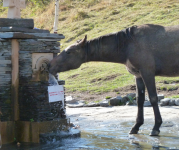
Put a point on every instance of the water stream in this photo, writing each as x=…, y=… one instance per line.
x=52, y=80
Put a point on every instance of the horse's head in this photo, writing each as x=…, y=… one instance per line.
x=70, y=58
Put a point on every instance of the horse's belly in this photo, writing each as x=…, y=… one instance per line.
x=167, y=66
x=168, y=71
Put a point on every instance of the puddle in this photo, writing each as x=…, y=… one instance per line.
x=111, y=134
x=97, y=134
x=115, y=136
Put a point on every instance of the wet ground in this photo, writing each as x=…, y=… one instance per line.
x=107, y=128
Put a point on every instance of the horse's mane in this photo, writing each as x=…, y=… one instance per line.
x=128, y=32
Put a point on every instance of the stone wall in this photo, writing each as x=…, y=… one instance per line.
x=5, y=80
x=33, y=95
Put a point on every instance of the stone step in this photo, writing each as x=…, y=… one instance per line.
x=23, y=23
x=26, y=30
x=20, y=35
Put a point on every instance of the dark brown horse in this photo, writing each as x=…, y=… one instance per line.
x=146, y=50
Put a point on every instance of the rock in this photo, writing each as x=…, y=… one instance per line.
x=132, y=95
x=115, y=101
x=164, y=102
x=76, y=105
x=81, y=101
x=134, y=102
x=177, y=101
x=147, y=98
x=118, y=97
x=147, y=104
x=70, y=100
x=167, y=124
x=92, y=104
x=171, y=102
x=160, y=97
x=104, y=103
x=124, y=100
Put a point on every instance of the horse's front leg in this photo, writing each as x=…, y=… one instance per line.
x=149, y=80
x=140, y=95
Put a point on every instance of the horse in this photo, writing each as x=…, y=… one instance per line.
x=146, y=50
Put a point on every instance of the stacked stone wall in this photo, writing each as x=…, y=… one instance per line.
x=29, y=46
x=5, y=80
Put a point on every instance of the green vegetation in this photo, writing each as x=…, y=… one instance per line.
x=32, y=120
x=40, y=3
x=86, y=102
x=108, y=97
x=121, y=103
x=175, y=96
x=97, y=101
x=169, y=84
x=130, y=99
x=162, y=88
x=95, y=18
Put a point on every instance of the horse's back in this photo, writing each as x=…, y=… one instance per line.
x=162, y=44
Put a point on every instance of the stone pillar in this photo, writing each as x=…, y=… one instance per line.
x=25, y=52
x=6, y=104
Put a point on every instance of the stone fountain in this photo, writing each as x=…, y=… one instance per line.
x=26, y=114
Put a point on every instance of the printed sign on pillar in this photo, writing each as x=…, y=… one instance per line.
x=56, y=93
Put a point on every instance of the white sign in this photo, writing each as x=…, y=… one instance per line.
x=56, y=93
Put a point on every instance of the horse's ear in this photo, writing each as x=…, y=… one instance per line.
x=83, y=42
x=78, y=41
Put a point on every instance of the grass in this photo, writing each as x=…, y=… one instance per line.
x=169, y=84
x=95, y=18
x=97, y=101
x=108, y=97
x=91, y=77
x=175, y=96
x=86, y=102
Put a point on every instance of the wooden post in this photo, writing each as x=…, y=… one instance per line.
x=15, y=77
x=56, y=16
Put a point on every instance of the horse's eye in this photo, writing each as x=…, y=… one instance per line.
x=67, y=52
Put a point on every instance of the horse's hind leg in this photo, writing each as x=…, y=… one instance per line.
x=140, y=91
x=149, y=81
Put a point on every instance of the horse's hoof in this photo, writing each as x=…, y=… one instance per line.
x=154, y=133
x=133, y=131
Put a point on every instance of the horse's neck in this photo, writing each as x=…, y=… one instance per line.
x=99, y=50
x=94, y=49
